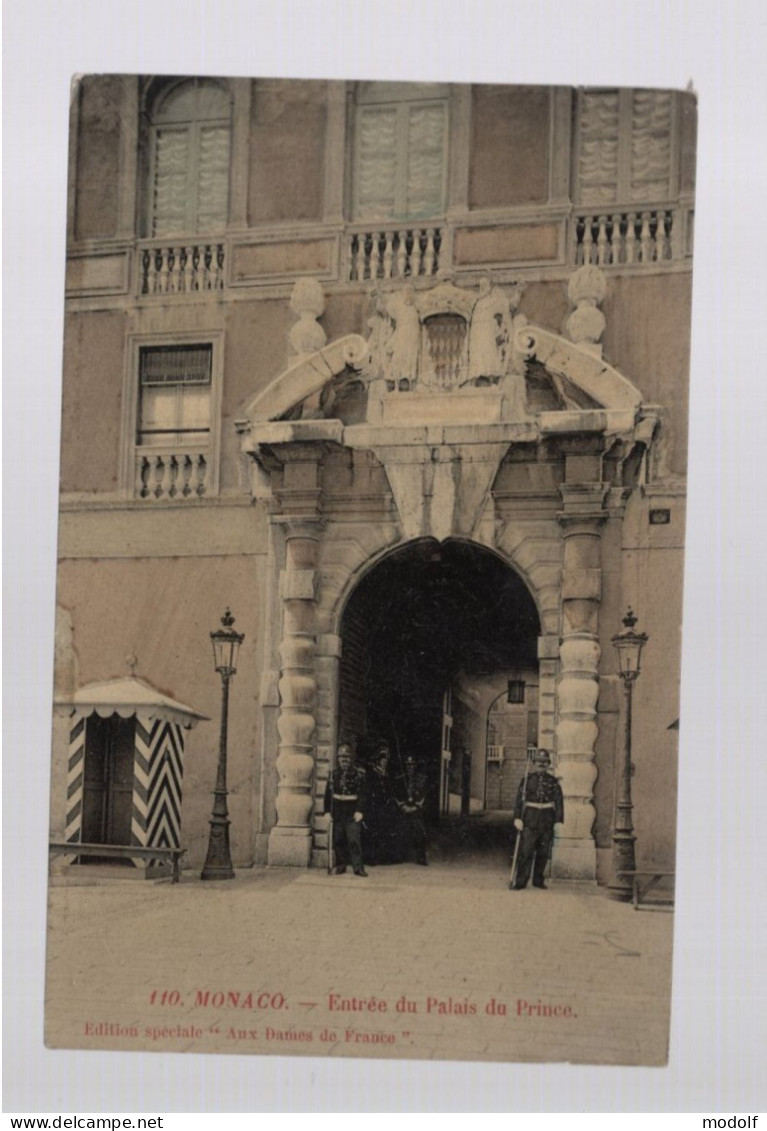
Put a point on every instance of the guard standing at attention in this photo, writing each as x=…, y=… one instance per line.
x=345, y=799
x=381, y=814
x=540, y=806
x=412, y=796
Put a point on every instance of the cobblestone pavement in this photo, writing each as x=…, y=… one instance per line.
x=440, y=962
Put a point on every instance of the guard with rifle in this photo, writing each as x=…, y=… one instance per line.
x=539, y=809
x=345, y=799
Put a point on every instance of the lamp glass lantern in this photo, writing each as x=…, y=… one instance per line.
x=515, y=692
x=226, y=644
x=629, y=645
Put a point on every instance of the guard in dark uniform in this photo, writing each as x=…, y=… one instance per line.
x=411, y=800
x=345, y=799
x=540, y=806
x=381, y=813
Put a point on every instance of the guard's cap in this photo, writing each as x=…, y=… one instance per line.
x=543, y=756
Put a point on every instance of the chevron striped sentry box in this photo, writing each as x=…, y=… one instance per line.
x=155, y=786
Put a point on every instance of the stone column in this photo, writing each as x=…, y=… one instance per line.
x=578, y=688
x=290, y=841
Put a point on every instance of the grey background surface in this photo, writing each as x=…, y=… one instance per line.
x=719, y=1006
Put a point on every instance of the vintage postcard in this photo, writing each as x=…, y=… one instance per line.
x=370, y=569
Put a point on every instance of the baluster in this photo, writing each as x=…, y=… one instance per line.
x=220, y=267
x=196, y=280
x=664, y=245
x=351, y=259
x=145, y=262
x=164, y=270
x=168, y=477
x=157, y=268
x=616, y=242
x=631, y=237
x=187, y=276
x=428, y=258
x=375, y=254
x=577, y=236
x=588, y=239
x=201, y=470
x=402, y=254
x=646, y=248
x=602, y=245
x=415, y=255
x=174, y=269
x=142, y=477
x=158, y=471
x=206, y=259
x=172, y=477
x=388, y=255
x=185, y=476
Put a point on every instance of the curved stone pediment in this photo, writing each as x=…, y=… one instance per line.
x=446, y=382
x=450, y=355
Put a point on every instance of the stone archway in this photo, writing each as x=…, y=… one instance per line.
x=354, y=462
x=433, y=624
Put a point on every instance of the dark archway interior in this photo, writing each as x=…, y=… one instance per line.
x=423, y=615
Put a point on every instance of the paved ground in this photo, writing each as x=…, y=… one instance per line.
x=290, y=962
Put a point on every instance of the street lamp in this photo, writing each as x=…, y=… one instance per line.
x=628, y=645
x=218, y=864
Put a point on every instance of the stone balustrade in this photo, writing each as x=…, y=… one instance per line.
x=614, y=236
x=393, y=253
x=627, y=236
x=181, y=268
x=167, y=474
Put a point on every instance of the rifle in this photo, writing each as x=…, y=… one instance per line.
x=330, y=828
x=515, y=858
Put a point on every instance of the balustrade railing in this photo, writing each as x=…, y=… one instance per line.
x=180, y=268
x=626, y=237
x=167, y=474
x=393, y=253
x=613, y=236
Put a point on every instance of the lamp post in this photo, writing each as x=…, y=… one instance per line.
x=628, y=645
x=218, y=864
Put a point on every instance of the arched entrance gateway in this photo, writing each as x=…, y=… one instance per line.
x=431, y=637
x=446, y=502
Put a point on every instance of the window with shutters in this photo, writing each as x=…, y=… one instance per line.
x=189, y=164
x=400, y=151
x=626, y=145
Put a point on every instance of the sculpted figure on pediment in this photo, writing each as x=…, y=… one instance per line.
x=373, y=365
x=400, y=361
x=490, y=335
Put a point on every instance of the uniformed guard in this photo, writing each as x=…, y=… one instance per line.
x=345, y=799
x=379, y=827
x=539, y=808
x=411, y=800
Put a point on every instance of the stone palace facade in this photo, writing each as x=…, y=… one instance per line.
x=398, y=372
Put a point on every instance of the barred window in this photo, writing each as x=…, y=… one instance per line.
x=174, y=394
x=190, y=152
x=400, y=151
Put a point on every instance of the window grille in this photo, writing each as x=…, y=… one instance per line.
x=174, y=385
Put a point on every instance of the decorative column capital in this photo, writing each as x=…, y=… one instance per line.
x=583, y=503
